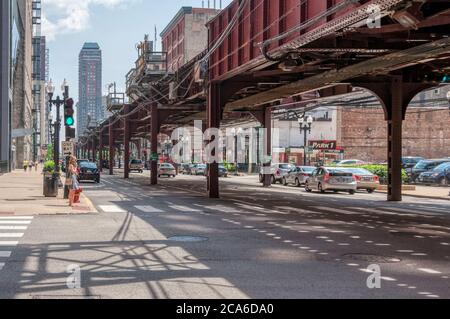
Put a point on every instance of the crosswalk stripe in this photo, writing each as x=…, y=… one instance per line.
x=17, y=217
x=11, y=235
x=2, y=265
x=149, y=209
x=111, y=209
x=5, y=254
x=14, y=222
x=184, y=208
x=9, y=243
x=13, y=227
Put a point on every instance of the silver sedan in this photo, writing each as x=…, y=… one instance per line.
x=298, y=175
x=331, y=179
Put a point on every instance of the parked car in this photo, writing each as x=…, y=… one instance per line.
x=223, y=172
x=185, y=169
x=298, y=175
x=80, y=161
x=167, y=169
x=199, y=169
x=438, y=176
x=351, y=162
x=331, y=179
x=425, y=166
x=410, y=161
x=365, y=179
x=278, y=171
x=137, y=166
x=88, y=172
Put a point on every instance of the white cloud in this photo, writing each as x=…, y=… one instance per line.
x=69, y=16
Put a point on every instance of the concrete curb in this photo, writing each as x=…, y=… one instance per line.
x=421, y=196
x=92, y=209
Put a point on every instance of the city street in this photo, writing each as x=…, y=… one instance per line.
x=170, y=241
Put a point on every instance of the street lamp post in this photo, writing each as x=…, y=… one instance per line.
x=305, y=129
x=58, y=102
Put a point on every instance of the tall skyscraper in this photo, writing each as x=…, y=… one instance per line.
x=90, y=109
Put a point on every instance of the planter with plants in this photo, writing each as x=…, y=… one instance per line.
x=51, y=180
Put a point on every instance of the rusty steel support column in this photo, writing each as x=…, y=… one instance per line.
x=268, y=146
x=126, y=145
x=214, y=115
x=94, y=150
x=111, y=149
x=101, y=146
x=395, y=133
x=264, y=117
x=154, y=145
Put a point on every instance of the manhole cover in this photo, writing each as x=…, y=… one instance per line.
x=373, y=258
x=188, y=239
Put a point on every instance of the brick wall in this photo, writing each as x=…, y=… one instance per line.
x=363, y=133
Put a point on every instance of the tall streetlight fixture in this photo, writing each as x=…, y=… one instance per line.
x=58, y=102
x=305, y=129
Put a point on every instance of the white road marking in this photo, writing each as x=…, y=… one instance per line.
x=14, y=222
x=2, y=265
x=430, y=271
x=112, y=209
x=17, y=217
x=149, y=209
x=5, y=254
x=11, y=235
x=13, y=227
x=339, y=211
x=9, y=243
x=184, y=208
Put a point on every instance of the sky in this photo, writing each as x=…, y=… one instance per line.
x=117, y=25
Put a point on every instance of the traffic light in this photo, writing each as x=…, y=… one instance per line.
x=446, y=79
x=69, y=113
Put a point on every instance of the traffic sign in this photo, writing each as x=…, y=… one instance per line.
x=155, y=157
x=68, y=148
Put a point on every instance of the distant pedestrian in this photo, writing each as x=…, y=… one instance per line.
x=36, y=166
x=30, y=165
x=25, y=165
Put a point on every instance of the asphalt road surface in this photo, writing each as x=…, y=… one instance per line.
x=170, y=241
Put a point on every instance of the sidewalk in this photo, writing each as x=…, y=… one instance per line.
x=21, y=194
x=428, y=192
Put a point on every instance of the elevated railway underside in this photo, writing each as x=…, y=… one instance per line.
x=267, y=55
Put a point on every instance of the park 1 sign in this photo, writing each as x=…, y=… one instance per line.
x=323, y=145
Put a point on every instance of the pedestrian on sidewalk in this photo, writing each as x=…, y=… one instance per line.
x=31, y=165
x=74, y=187
x=25, y=165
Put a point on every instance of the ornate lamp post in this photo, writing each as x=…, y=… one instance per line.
x=305, y=129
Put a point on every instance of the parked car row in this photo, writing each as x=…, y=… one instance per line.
x=201, y=170
x=431, y=172
x=324, y=179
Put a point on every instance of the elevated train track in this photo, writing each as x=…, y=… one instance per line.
x=264, y=54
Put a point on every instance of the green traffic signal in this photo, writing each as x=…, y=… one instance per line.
x=70, y=121
x=69, y=113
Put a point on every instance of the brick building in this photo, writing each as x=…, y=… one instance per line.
x=362, y=133
x=186, y=35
